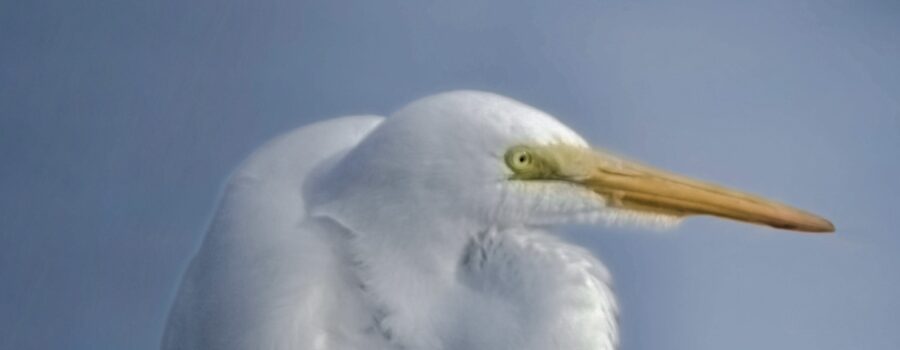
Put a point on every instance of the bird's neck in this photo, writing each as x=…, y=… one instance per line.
x=511, y=289
x=409, y=275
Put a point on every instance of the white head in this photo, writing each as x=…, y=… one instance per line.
x=479, y=160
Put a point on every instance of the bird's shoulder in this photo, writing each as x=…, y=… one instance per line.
x=299, y=293
x=292, y=156
x=266, y=275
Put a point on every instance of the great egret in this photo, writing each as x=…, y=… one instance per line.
x=425, y=231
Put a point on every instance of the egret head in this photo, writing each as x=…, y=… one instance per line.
x=475, y=158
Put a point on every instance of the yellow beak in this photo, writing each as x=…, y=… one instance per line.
x=638, y=187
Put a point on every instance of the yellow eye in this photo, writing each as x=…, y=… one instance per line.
x=520, y=160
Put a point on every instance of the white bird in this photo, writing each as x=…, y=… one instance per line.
x=425, y=230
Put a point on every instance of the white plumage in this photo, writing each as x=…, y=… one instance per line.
x=411, y=232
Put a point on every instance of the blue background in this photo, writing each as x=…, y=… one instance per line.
x=120, y=120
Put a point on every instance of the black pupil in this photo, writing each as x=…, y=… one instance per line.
x=523, y=158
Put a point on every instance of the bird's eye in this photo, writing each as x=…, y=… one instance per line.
x=520, y=160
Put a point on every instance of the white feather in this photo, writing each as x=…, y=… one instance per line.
x=402, y=233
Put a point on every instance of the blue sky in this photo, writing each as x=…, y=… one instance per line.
x=119, y=122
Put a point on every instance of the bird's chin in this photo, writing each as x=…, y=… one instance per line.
x=559, y=203
x=608, y=217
